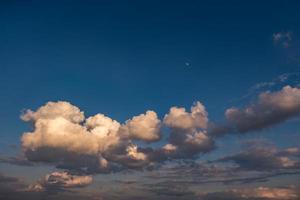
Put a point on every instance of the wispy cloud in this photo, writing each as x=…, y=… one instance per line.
x=282, y=38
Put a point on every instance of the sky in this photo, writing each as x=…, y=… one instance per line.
x=150, y=100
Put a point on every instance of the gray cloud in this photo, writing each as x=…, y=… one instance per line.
x=264, y=157
x=270, y=109
x=205, y=173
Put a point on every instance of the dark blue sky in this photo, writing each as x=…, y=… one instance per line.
x=121, y=58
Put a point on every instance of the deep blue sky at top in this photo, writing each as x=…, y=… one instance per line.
x=122, y=58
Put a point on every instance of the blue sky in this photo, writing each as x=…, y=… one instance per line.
x=124, y=58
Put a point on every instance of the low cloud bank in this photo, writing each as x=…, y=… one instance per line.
x=260, y=193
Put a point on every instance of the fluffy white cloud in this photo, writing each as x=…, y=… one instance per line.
x=60, y=133
x=179, y=118
x=102, y=125
x=144, y=127
x=53, y=110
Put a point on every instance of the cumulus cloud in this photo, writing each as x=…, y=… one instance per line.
x=179, y=118
x=57, y=181
x=145, y=127
x=188, y=131
x=270, y=109
x=53, y=110
x=60, y=133
x=64, y=137
x=282, y=38
x=102, y=125
x=260, y=193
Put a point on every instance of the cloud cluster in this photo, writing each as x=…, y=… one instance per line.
x=179, y=118
x=270, y=109
x=62, y=135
